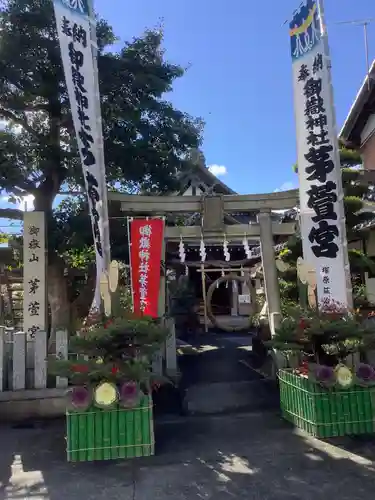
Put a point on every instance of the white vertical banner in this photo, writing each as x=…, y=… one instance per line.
x=34, y=274
x=320, y=184
x=77, y=35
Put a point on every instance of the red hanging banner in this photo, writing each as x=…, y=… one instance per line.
x=146, y=237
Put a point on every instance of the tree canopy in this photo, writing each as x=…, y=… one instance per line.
x=146, y=139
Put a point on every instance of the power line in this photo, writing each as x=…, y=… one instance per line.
x=364, y=23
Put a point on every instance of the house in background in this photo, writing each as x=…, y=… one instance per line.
x=358, y=132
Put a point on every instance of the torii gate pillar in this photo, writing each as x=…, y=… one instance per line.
x=271, y=283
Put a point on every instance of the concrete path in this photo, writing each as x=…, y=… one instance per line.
x=251, y=457
x=231, y=397
x=217, y=359
x=219, y=377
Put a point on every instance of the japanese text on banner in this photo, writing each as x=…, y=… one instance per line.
x=145, y=259
x=73, y=25
x=321, y=207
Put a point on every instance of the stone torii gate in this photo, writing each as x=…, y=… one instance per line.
x=213, y=208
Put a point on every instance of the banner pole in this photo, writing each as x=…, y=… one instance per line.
x=128, y=220
x=337, y=161
x=99, y=138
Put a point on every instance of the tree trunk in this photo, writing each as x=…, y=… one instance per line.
x=64, y=313
x=80, y=308
x=58, y=296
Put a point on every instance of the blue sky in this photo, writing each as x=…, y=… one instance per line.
x=239, y=79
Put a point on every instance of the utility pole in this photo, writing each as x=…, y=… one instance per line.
x=364, y=23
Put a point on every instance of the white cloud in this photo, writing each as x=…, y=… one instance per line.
x=26, y=204
x=217, y=170
x=286, y=186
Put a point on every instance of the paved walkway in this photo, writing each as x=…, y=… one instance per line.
x=217, y=359
x=219, y=376
x=250, y=457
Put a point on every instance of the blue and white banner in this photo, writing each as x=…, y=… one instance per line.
x=77, y=36
x=320, y=185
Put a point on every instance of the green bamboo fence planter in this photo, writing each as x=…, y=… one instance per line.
x=326, y=412
x=103, y=434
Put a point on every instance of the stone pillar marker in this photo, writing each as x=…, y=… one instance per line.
x=271, y=283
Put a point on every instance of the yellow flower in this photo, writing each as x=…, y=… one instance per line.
x=105, y=395
x=344, y=376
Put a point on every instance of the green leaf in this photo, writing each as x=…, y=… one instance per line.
x=146, y=138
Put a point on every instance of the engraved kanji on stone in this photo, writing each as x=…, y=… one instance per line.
x=34, y=231
x=34, y=285
x=33, y=330
x=34, y=308
x=34, y=244
x=34, y=257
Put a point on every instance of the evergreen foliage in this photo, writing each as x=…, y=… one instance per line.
x=324, y=337
x=115, y=350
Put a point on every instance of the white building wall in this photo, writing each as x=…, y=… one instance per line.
x=368, y=144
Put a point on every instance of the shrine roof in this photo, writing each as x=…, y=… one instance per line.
x=361, y=110
x=201, y=172
x=365, y=226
